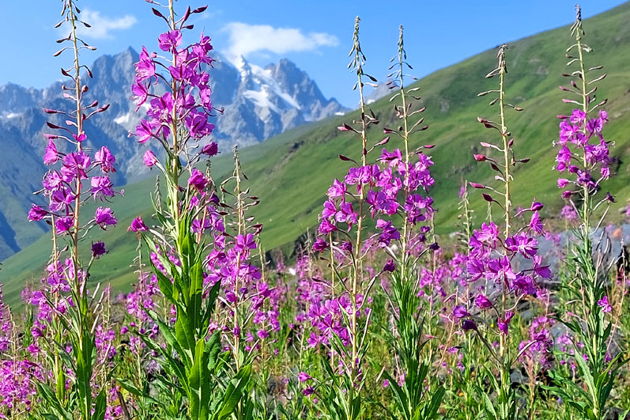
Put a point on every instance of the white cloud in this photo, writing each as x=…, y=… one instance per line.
x=245, y=39
x=102, y=26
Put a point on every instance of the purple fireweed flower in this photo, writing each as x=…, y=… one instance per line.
x=63, y=224
x=145, y=67
x=388, y=231
x=522, y=244
x=145, y=130
x=197, y=180
x=390, y=266
x=338, y=189
x=563, y=182
x=468, y=324
x=524, y=284
x=244, y=242
x=80, y=138
x=303, y=377
x=149, y=159
x=105, y=159
x=51, y=155
x=577, y=116
x=170, y=40
x=541, y=270
x=104, y=216
x=482, y=302
x=198, y=124
x=98, y=249
x=75, y=166
x=137, y=225
x=320, y=245
x=326, y=227
x=460, y=312
x=500, y=269
x=101, y=186
x=503, y=323
x=36, y=213
x=540, y=344
x=604, y=304
x=140, y=94
x=568, y=213
x=346, y=214
x=210, y=149
x=536, y=224
x=486, y=236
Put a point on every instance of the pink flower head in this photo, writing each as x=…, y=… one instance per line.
x=104, y=216
x=101, y=187
x=210, y=149
x=63, y=224
x=504, y=322
x=98, y=249
x=145, y=67
x=460, y=312
x=482, y=302
x=390, y=266
x=320, y=245
x=604, y=304
x=578, y=116
x=149, y=158
x=568, y=213
x=137, y=225
x=563, y=182
x=197, y=180
x=303, y=377
x=169, y=41
x=106, y=159
x=51, y=155
x=536, y=223
x=81, y=137
x=36, y=213
x=244, y=242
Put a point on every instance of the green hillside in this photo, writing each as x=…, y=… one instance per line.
x=291, y=172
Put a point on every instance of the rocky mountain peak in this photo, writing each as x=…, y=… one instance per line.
x=258, y=103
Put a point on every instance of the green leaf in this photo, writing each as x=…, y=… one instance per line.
x=488, y=405
x=99, y=408
x=234, y=392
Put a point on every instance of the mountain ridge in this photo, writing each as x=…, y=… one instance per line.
x=22, y=124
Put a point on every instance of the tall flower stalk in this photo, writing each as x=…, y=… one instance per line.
x=408, y=340
x=178, y=120
x=499, y=283
x=583, y=153
x=351, y=284
x=68, y=315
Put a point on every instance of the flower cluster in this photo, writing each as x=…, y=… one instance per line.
x=230, y=263
x=64, y=185
x=582, y=151
x=17, y=385
x=186, y=103
x=500, y=265
x=539, y=347
x=391, y=187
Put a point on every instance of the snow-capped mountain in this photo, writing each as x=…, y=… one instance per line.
x=257, y=103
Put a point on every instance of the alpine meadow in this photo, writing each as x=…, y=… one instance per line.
x=185, y=234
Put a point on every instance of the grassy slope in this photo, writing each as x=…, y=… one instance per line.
x=292, y=171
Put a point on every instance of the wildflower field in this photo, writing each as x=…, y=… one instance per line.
x=421, y=292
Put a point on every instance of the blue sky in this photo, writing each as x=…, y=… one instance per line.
x=316, y=35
